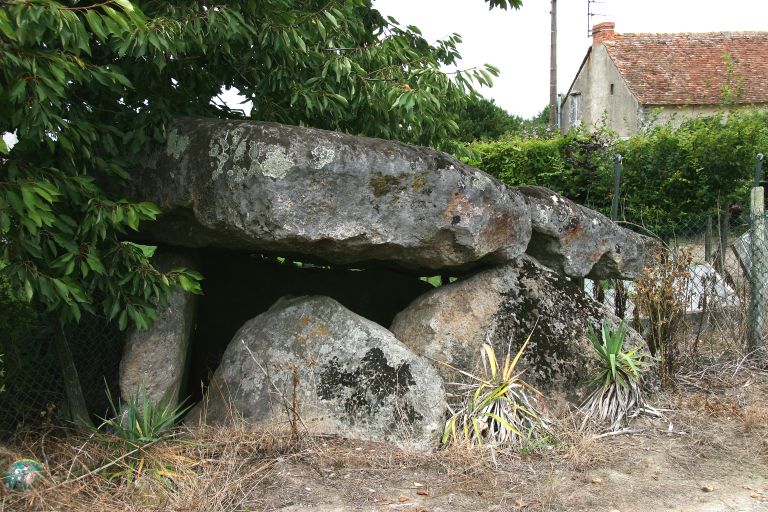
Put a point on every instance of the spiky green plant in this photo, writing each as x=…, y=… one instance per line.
x=143, y=419
x=500, y=408
x=618, y=394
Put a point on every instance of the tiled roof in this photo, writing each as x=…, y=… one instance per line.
x=692, y=68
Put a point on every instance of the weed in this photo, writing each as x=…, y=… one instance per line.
x=661, y=296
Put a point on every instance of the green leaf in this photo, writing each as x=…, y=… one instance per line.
x=94, y=21
x=29, y=293
x=188, y=285
x=94, y=262
x=17, y=91
x=331, y=18
x=132, y=218
x=122, y=321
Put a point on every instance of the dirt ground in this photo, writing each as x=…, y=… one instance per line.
x=708, y=453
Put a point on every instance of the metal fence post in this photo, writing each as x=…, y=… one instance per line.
x=708, y=241
x=758, y=169
x=723, y=226
x=758, y=321
x=616, y=187
x=619, y=294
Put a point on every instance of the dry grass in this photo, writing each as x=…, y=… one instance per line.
x=233, y=469
x=716, y=426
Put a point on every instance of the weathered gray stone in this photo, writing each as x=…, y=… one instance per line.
x=346, y=375
x=579, y=242
x=501, y=306
x=341, y=198
x=155, y=358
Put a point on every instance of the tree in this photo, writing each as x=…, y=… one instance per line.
x=89, y=87
x=482, y=119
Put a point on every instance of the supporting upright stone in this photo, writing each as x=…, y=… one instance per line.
x=156, y=358
x=311, y=365
x=503, y=306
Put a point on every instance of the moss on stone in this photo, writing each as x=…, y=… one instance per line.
x=383, y=184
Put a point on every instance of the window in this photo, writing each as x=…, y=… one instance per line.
x=611, y=89
x=574, y=114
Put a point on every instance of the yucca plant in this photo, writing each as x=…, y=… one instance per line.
x=142, y=419
x=618, y=394
x=135, y=428
x=500, y=408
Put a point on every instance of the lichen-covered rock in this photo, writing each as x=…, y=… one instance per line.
x=341, y=198
x=342, y=374
x=579, y=242
x=155, y=358
x=503, y=306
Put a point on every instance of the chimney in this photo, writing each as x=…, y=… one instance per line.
x=603, y=32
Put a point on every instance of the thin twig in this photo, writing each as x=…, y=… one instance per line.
x=105, y=466
x=282, y=396
x=617, y=433
x=79, y=451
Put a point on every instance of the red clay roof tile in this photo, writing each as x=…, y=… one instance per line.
x=693, y=68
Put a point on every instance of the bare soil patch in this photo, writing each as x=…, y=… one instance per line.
x=709, y=453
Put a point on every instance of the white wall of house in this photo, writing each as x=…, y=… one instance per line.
x=599, y=91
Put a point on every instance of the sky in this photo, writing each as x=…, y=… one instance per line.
x=518, y=42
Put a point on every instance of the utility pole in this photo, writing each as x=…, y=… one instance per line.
x=553, y=106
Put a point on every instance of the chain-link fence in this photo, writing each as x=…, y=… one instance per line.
x=34, y=388
x=707, y=287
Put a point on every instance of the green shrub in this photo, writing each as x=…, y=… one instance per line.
x=679, y=173
x=670, y=174
x=575, y=165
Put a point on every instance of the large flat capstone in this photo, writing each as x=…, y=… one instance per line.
x=312, y=361
x=579, y=242
x=341, y=198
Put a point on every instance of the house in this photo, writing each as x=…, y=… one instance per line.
x=632, y=79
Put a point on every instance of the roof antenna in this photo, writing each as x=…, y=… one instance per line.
x=591, y=15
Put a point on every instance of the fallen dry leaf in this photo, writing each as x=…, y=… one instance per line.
x=422, y=493
x=597, y=480
x=707, y=488
x=402, y=499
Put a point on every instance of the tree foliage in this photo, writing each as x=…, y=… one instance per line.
x=88, y=87
x=482, y=119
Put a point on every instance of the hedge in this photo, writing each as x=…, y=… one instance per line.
x=670, y=174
